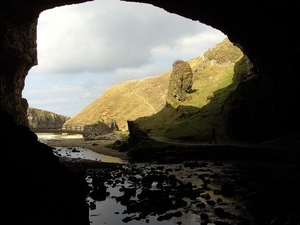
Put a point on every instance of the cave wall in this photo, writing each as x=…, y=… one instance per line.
x=265, y=32
x=18, y=50
x=18, y=55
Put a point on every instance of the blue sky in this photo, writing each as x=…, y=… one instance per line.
x=86, y=48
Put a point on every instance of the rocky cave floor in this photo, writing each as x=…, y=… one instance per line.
x=216, y=191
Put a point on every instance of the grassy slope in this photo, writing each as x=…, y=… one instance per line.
x=195, y=118
x=126, y=101
x=144, y=100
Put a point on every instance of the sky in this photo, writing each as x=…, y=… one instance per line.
x=85, y=49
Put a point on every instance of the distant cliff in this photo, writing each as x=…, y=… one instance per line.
x=38, y=118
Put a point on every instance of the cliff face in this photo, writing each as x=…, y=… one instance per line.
x=38, y=118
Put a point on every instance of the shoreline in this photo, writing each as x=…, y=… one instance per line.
x=93, y=145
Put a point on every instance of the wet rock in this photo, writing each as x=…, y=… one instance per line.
x=124, y=199
x=221, y=213
x=191, y=193
x=205, y=196
x=149, y=194
x=127, y=219
x=167, y=216
x=217, y=163
x=228, y=190
x=211, y=202
x=177, y=214
x=132, y=206
x=179, y=202
x=204, y=164
x=159, y=185
x=217, y=192
x=278, y=220
x=75, y=150
x=99, y=193
x=92, y=206
x=154, y=178
x=204, y=217
x=136, y=135
x=173, y=160
x=200, y=205
x=221, y=223
x=191, y=164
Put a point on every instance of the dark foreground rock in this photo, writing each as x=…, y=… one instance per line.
x=149, y=150
x=36, y=187
x=218, y=192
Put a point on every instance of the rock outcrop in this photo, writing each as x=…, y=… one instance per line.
x=38, y=119
x=100, y=130
x=181, y=81
x=136, y=135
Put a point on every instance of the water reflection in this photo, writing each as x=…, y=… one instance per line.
x=209, y=178
x=111, y=211
x=76, y=152
x=83, y=153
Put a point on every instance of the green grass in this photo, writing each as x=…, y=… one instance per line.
x=195, y=118
x=144, y=101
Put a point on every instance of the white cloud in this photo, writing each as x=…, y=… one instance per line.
x=101, y=36
x=86, y=95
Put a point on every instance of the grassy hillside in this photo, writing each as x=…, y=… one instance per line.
x=195, y=118
x=126, y=101
x=145, y=100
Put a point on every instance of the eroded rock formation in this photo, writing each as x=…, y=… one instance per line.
x=181, y=81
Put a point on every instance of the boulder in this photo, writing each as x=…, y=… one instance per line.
x=136, y=135
x=100, y=130
x=181, y=81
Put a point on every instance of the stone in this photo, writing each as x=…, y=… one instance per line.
x=136, y=135
x=99, y=193
x=181, y=82
x=127, y=219
x=205, y=196
x=228, y=190
x=100, y=130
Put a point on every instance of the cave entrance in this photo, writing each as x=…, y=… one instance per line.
x=84, y=49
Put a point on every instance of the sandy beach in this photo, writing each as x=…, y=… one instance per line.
x=93, y=145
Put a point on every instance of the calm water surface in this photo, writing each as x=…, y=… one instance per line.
x=76, y=152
